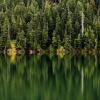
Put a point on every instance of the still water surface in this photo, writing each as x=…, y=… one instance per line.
x=73, y=77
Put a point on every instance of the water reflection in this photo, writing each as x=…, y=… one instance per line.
x=74, y=77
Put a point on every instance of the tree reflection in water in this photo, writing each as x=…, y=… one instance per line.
x=74, y=77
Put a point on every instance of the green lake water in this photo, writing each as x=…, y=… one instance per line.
x=73, y=77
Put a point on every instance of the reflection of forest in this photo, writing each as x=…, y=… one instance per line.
x=45, y=78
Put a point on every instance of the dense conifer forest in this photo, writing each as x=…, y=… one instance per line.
x=50, y=24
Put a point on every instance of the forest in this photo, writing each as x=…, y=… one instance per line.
x=50, y=24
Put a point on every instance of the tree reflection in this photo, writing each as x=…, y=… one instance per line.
x=41, y=77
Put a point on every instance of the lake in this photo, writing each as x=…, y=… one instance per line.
x=73, y=77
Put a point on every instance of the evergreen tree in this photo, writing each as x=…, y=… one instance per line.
x=55, y=40
x=45, y=35
x=35, y=24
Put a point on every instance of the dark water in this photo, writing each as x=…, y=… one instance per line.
x=50, y=78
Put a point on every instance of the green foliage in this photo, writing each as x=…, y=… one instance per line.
x=55, y=40
x=46, y=25
x=21, y=39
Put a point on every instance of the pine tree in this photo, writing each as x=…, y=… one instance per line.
x=45, y=35
x=21, y=43
x=55, y=40
x=67, y=41
x=58, y=27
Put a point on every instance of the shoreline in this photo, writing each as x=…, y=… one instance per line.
x=33, y=51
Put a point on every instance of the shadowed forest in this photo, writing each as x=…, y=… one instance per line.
x=50, y=24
